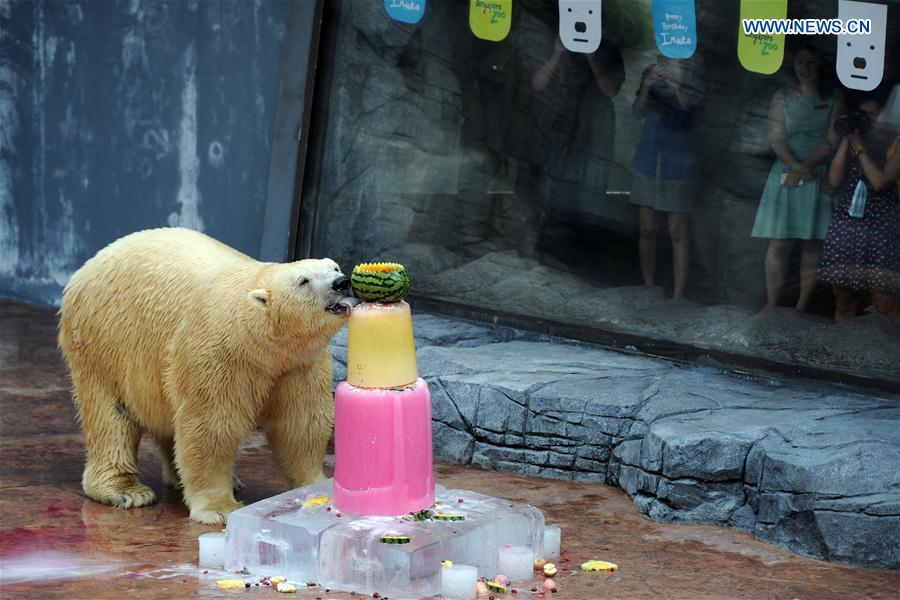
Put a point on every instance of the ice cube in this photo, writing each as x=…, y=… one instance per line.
x=458, y=582
x=516, y=562
x=551, y=542
x=296, y=535
x=280, y=535
x=212, y=550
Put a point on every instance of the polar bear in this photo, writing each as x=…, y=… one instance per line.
x=171, y=333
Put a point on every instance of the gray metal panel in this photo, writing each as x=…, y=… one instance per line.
x=285, y=170
x=121, y=116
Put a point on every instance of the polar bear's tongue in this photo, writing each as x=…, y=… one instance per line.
x=349, y=302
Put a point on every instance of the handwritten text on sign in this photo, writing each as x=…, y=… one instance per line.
x=405, y=11
x=675, y=24
x=761, y=53
x=490, y=19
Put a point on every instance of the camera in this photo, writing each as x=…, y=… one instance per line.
x=661, y=89
x=856, y=120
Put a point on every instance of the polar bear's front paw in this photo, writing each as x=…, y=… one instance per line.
x=124, y=491
x=215, y=512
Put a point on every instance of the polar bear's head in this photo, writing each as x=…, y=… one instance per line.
x=304, y=297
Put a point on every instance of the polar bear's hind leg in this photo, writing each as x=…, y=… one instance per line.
x=112, y=437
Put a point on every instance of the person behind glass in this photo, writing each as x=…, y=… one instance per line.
x=579, y=135
x=665, y=164
x=862, y=248
x=795, y=206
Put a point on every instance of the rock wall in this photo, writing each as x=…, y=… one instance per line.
x=804, y=465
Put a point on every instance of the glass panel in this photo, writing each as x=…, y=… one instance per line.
x=684, y=202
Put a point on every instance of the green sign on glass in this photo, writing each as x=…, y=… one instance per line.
x=490, y=19
x=761, y=52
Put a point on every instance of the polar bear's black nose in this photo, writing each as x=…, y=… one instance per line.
x=341, y=285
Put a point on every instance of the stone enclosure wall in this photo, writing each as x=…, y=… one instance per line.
x=807, y=466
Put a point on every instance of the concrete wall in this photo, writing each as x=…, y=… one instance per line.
x=121, y=116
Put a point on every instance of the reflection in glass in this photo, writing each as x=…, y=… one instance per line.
x=519, y=178
x=861, y=251
x=796, y=203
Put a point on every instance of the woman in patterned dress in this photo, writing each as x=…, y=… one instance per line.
x=862, y=249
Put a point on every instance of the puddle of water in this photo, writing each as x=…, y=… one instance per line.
x=51, y=565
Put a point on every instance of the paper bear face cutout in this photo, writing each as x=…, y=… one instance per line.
x=580, y=25
x=860, y=58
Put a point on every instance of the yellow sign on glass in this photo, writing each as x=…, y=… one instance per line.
x=761, y=51
x=490, y=19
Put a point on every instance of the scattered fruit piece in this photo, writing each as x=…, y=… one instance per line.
x=539, y=564
x=599, y=565
x=285, y=588
x=277, y=579
x=501, y=579
x=495, y=587
x=446, y=564
x=316, y=501
x=394, y=539
x=230, y=583
x=448, y=517
x=549, y=569
x=549, y=585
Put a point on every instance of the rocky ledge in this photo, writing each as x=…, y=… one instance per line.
x=809, y=466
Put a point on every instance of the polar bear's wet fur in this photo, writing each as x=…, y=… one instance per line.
x=169, y=333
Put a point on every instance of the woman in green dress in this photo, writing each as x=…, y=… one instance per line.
x=796, y=204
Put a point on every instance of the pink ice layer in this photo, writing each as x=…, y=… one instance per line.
x=382, y=446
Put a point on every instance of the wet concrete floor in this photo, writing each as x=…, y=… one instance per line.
x=55, y=542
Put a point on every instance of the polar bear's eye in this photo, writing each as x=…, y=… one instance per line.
x=304, y=281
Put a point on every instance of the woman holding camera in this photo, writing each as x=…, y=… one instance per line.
x=665, y=162
x=795, y=207
x=862, y=248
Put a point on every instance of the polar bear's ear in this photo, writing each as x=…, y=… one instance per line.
x=259, y=298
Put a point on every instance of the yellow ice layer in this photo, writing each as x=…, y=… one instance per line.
x=380, y=348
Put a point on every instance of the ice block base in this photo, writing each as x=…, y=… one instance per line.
x=296, y=535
